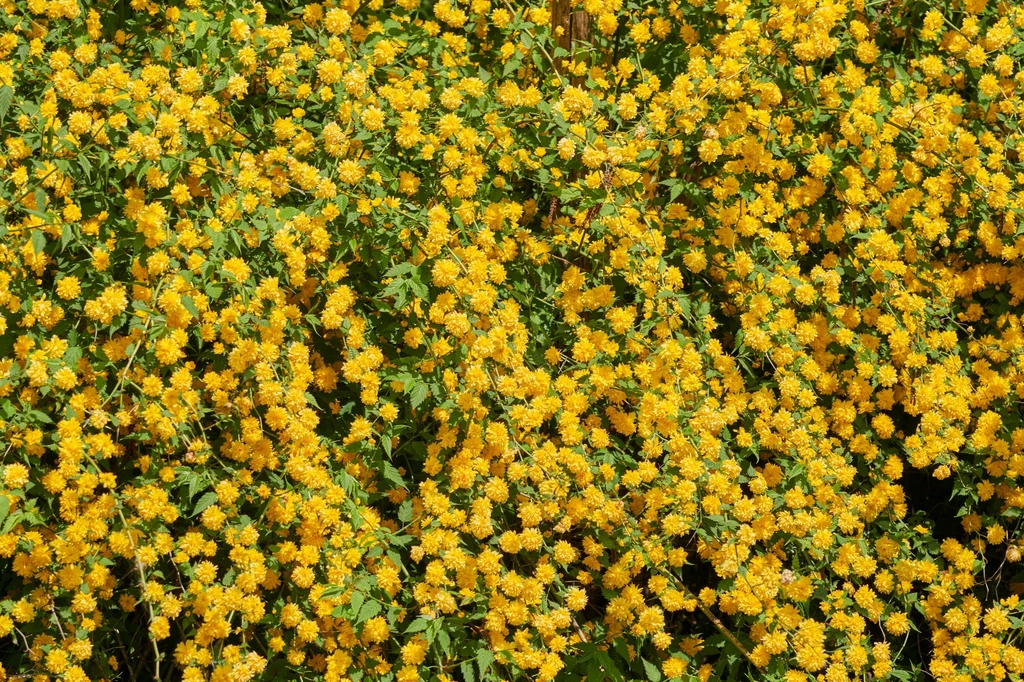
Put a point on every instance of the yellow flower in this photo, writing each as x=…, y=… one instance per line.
x=15, y=476
x=897, y=623
x=819, y=165
x=673, y=667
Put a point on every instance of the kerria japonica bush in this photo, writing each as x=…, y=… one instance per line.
x=494, y=341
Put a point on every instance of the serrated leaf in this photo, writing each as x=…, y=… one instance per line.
x=190, y=305
x=391, y=474
x=418, y=393
x=41, y=416
x=72, y=355
x=356, y=602
x=675, y=190
x=12, y=521
x=38, y=241
x=401, y=298
x=401, y=540
x=419, y=289
x=400, y=269
x=418, y=625
x=195, y=485
x=468, y=674
x=369, y=610
x=484, y=660
x=6, y=97
x=653, y=674
x=610, y=669
x=594, y=669
x=394, y=287
x=405, y=512
x=5, y=507
x=445, y=640
x=331, y=591
x=207, y=500
x=511, y=66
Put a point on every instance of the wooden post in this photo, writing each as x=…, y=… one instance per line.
x=561, y=17
x=575, y=29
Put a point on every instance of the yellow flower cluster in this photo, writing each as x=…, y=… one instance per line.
x=487, y=340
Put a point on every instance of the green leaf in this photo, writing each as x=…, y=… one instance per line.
x=72, y=355
x=511, y=66
x=675, y=189
x=200, y=27
x=594, y=669
x=418, y=394
x=394, y=287
x=369, y=610
x=610, y=669
x=419, y=289
x=418, y=625
x=195, y=484
x=357, y=601
x=468, y=674
x=5, y=507
x=207, y=500
x=6, y=97
x=40, y=196
x=391, y=474
x=400, y=269
x=38, y=241
x=622, y=651
x=41, y=416
x=331, y=591
x=12, y=521
x=190, y=305
x=484, y=659
x=653, y=674
x=445, y=640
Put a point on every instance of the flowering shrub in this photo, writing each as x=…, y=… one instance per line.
x=490, y=340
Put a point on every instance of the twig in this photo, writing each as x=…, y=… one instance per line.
x=28, y=649
x=57, y=621
x=135, y=351
x=715, y=620
x=142, y=578
x=580, y=632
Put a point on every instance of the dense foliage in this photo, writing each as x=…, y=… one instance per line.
x=490, y=340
